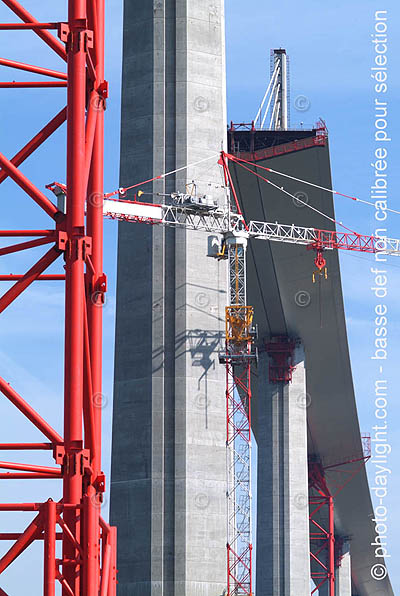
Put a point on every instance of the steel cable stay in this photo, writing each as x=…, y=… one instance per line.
x=330, y=190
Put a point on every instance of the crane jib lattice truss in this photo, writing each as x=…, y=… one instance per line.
x=86, y=563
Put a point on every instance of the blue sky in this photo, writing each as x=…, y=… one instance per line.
x=331, y=53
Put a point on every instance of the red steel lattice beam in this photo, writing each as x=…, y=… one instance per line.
x=88, y=562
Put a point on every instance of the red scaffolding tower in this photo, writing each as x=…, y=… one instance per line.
x=325, y=547
x=87, y=564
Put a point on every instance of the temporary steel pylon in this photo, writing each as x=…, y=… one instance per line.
x=87, y=563
x=324, y=552
x=238, y=358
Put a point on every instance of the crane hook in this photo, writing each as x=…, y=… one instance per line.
x=320, y=263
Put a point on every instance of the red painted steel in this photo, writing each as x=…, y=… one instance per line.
x=32, y=84
x=10, y=536
x=27, y=18
x=281, y=351
x=24, y=26
x=37, y=140
x=325, y=548
x=238, y=429
x=26, y=446
x=35, y=69
x=88, y=562
x=322, y=539
x=16, y=277
x=283, y=149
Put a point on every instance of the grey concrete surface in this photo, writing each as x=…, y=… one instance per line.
x=283, y=559
x=343, y=573
x=168, y=462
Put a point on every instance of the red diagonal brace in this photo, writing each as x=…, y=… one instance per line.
x=28, y=476
x=37, y=140
x=32, y=84
x=28, y=278
x=27, y=26
x=7, y=250
x=36, y=69
x=25, y=16
x=30, y=413
x=88, y=411
x=65, y=585
x=16, y=277
x=90, y=131
x=28, y=187
x=33, y=530
x=69, y=534
x=25, y=233
x=8, y=465
x=12, y=536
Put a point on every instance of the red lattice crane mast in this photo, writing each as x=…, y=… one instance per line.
x=87, y=564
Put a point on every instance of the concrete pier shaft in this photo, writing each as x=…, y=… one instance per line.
x=343, y=573
x=168, y=462
x=283, y=558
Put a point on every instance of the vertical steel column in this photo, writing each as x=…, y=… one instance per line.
x=95, y=287
x=49, y=582
x=112, y=581
x=284, y=120
x=322, y=539
x=80, y=240
x=322, y=504
x=331, y=548
x=74, y=289
x=280, y=110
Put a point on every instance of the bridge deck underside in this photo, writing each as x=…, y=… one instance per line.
x=286, y=301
